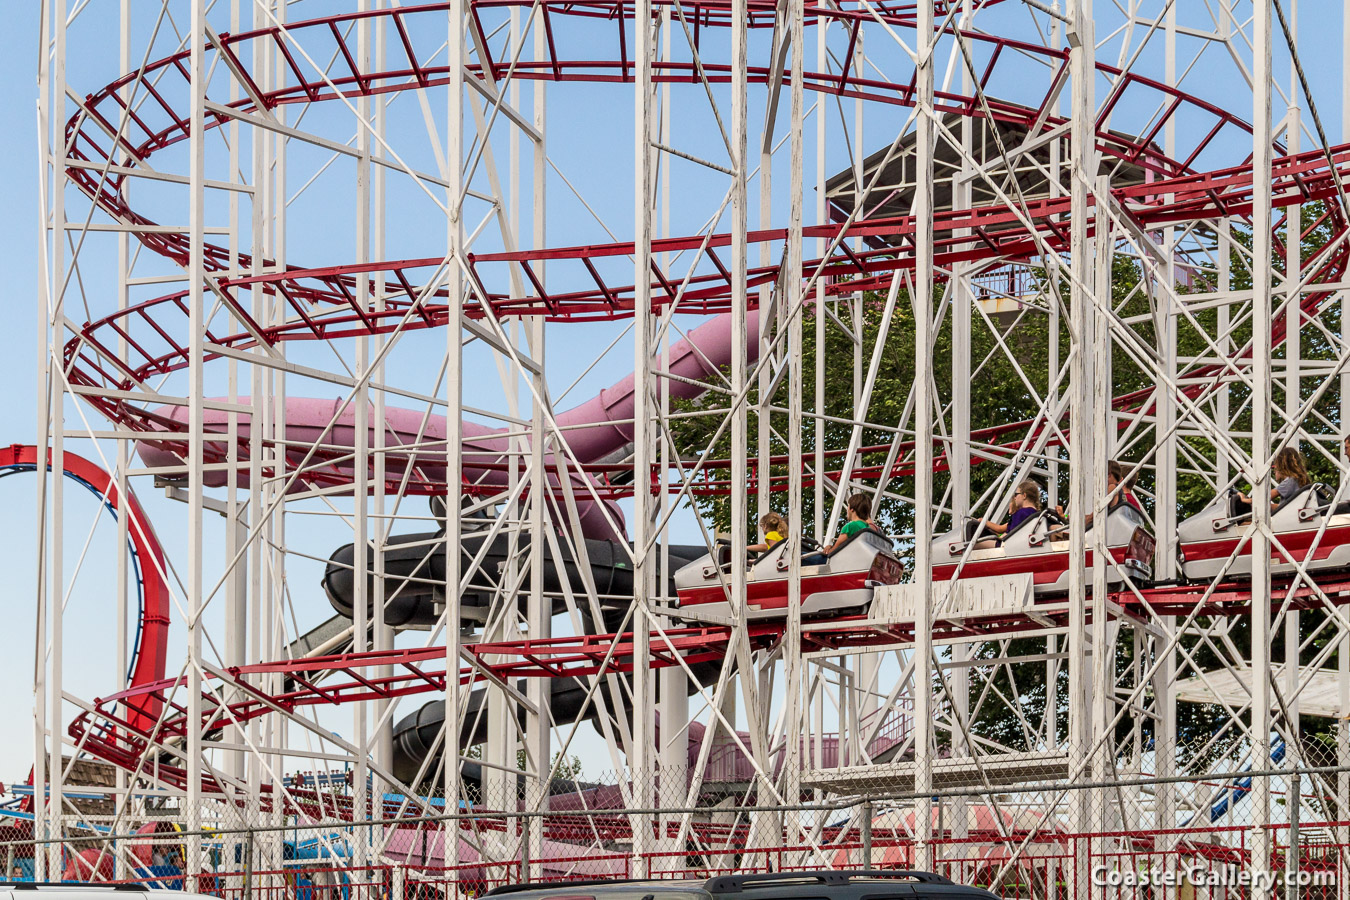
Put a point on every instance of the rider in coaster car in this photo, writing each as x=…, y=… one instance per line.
x=1025, y=503
x=1121, y=470
x=1343, y=507
x=859, y=519
x=1119, y=490
x=1291, y=476
x=772, y=526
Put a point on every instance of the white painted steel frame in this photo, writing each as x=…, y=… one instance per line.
x=257, y=597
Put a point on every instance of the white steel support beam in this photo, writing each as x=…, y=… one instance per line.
x=1167, y=313
x=1293, y=356
x=1096, y=348
x=122, y=662
x=674, y=705
x=1343, y=649
x=1165, y=484
x=258, y=623
x=1082, y=267
x=962, y=299
x=275, y=422
x=792, y=289
x=642, y=760
x=818, y=404
x=382, y=635
x=1259, y=471
x=539, y=612
x=740, y=251
x=922, y=299
x=196, y=427
x=50, y=413
x=361, y=458
x=454, y=373
x=236, y=588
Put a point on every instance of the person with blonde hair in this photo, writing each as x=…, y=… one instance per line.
x=774, y=527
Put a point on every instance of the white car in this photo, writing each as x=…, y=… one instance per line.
x=25, y=890
x=1040, y=546
x=842, y=584
x=1208, y=538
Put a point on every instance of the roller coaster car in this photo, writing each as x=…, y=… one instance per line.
x=1040, y=546
x=1210, y=536
x=842, y=584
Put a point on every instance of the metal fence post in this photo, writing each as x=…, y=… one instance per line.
x=867, y=834
x=248, y=868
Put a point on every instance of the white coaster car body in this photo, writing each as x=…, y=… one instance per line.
x=1208, y=538
x=842, y=585
x=1040, y=546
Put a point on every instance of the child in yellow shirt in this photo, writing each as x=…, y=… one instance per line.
x=773, y=526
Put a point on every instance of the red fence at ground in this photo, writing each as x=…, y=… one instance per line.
x=1188, y=864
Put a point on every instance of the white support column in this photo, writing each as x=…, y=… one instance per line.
x=51, y=97
x=1293, y=356
x=922, y=300
x=258, y=622
x=361, y=458
x=236, y=528
x=539, y=612
x=1165, y=490
x=277, y=735
x=740, y=422
x=1082, y=268
x=454, y=412
x=1054, y=331
x=1165, y=484
x=1097, y=344
x=56, y=591
x=1343, y=650
x=267, y=386
x=1259, y=469
x=962, y=299
x=196, y=426
x=382, y=635
x=642, y=760
x=674, y=705
x=120, y=868
x=792, y=290
x=818, y=404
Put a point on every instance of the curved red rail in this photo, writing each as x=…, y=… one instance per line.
x=148, y=665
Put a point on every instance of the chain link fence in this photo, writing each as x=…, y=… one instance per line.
x=1184, y=821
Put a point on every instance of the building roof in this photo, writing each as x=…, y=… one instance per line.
x=893, y=192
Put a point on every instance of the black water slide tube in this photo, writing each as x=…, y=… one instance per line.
x=414, y=566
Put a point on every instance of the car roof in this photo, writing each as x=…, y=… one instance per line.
x=56, y=887
x=804, y=883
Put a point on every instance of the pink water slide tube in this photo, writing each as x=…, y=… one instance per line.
x=593, y=430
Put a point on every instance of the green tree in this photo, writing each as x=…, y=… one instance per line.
x=564, y=768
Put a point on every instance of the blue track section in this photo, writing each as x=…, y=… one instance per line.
x=1240, y=787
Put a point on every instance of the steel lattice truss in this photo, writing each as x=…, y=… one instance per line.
x=999, y=164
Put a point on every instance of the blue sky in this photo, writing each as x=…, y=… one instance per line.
x=591, y=135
